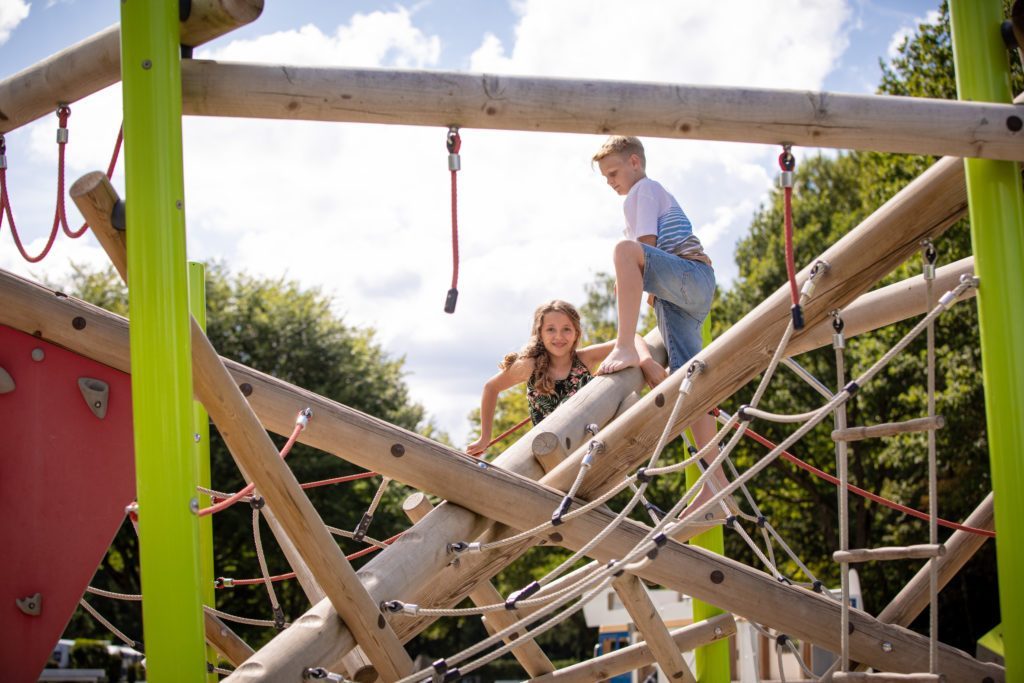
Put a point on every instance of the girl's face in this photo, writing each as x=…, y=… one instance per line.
x=558, y=334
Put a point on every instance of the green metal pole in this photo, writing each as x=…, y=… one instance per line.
x=713, y=660
x=996, y=209
x=166, y=472
x=201, y=429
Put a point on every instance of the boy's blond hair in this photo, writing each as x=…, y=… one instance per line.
x=624, y=145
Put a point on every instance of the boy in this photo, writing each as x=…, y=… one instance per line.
x=661, y=256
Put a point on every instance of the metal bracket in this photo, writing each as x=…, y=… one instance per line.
x=31, y=605
x=6, y=382
x=96, y=393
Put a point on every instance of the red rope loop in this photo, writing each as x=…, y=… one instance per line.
x=60, y=219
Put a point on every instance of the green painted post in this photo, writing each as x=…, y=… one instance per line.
x=997, y=233
x=713, y=660
x=160, y=347
x=201, y=429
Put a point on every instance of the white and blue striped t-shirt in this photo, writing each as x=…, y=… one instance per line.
x=651, y=210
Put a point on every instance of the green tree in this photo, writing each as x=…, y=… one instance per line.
x=277, y=327
x=832, y=195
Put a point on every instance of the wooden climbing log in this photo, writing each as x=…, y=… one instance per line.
x=318, y=636
x=529, y=654
x=886, y=306
x=918, y=424
x=645, y=617
x=258, y=458
x=95, y=63
x=423, y=98
x=225, y=641
x=923, y=551
x=638, y=655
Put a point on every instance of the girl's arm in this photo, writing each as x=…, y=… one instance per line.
x=517, y=373
x=654, y=373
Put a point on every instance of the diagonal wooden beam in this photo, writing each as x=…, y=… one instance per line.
x=647, y=620
x=424, y=98
x=529, y=654
x=257, y=456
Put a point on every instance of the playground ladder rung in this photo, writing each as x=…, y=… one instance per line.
x=908, y=552
x=920, y=424
x=884, y=677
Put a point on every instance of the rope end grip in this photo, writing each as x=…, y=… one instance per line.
x=642, y=476
x=556, y=516
x=521, y=594
x=449, y=301
x=279, y=618
x=798, y=317
x=654, y=510
x=614, y=564
x=303, y=417
x=364, y=524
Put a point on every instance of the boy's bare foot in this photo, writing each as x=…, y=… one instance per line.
x=619, y=359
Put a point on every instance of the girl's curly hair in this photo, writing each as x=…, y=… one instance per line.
x=534, y=348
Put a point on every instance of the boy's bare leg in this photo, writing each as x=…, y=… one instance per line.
x=629, y=286
x=703, y=433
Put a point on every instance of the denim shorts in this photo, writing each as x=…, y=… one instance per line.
x=683, y=290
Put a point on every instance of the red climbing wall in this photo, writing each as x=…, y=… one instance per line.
x=66, y=476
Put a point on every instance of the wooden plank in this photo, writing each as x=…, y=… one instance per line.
x=424, y=98
x=501, y=495
x=529, y=654
x=885, y=306
x=95, y=63
x=857, y=433
x=255, y=452
x=638, y=655
x=647, y=620
x=885, y=677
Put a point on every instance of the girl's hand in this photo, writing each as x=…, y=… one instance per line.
x=654, y=373
x=477, y=447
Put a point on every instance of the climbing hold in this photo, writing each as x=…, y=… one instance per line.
x=6, y=382
x=96, y=393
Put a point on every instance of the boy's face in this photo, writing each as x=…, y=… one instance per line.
x=621, y=171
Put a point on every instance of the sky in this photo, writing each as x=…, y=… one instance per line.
x=363, y=211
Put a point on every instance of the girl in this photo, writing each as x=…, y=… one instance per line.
x=552, y=367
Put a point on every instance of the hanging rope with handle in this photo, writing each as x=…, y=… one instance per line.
x=454, y=143
x=787, y=162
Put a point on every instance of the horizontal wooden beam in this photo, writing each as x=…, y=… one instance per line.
x=496, y=493
x=638, y=655
x=861, y=432
x=94, y=63
x=886, y=306
x=562, y=105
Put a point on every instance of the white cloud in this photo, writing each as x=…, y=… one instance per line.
x=904, y=32
x=364, y=210
x=12, y=13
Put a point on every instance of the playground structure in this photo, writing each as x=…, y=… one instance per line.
x=490, y=501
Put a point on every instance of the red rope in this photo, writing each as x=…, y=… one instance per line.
x=60, y=218
x=454, y=144
x=787, y=163
x=861, y=492
x=338, y=480
x=235, y=497
x=507, y=432
x=291, y=575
